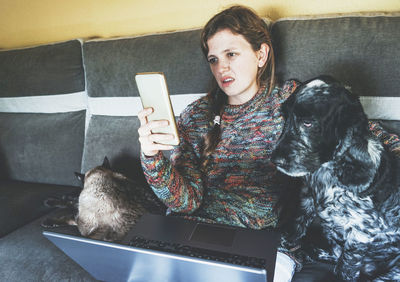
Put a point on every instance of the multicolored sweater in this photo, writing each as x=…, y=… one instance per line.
x=240, y=187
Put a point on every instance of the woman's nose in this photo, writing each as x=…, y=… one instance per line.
x=223, y=66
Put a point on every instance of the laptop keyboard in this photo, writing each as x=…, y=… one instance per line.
x=189, y=251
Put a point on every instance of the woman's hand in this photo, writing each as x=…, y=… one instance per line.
x=150, y=143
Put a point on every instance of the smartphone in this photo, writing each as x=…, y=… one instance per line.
x=153, y=92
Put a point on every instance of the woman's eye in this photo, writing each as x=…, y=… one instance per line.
x=212, y=61
x=231, y=54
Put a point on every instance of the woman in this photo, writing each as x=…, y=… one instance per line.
x=221, y=171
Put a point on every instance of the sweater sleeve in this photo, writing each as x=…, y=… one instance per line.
x=177, y=182
x=390, y=140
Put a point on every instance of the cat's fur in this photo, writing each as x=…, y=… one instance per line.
x=108, y=206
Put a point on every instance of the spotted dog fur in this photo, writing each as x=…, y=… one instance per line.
x=352, y=182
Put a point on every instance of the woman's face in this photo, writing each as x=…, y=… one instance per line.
x=234, y=65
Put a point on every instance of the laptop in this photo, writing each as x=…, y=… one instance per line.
x=170, y=248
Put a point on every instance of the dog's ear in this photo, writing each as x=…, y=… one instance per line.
x=347, y=134
x=346, y=115
x=358, y=165
x=106, y=163
x=357, y=153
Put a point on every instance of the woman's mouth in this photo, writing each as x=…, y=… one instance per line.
x=226, y=81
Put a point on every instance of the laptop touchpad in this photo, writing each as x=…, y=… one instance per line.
x=212, y=234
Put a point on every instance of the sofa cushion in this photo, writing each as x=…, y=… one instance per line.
x=361, y=51
x=41, y=147
x=26, y=255
x=42, y=113
x=113, y=102
x=42, y=70
x=111, y=65
x=22, y=202
x=117, y=138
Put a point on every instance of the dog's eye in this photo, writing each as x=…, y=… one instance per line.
x=307, y=123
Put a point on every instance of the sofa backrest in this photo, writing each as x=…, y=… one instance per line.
x=114, y=102
x=42, y=113
x=63, y=107
x=361, y=51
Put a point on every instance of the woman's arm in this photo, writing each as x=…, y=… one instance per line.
x=390, y=140
x=182, y=191
x=177, y=182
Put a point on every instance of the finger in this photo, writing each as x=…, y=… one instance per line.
x=162, y=147
x=144, y=131
x=142, y=115
x=147, y=141
x=155, y=124
x=151, y=148
x=155, y=148
x=147, y=128
x=160, y=138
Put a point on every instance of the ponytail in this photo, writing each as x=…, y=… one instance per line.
x=218, y=100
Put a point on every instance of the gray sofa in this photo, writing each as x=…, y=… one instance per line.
x=65, y=106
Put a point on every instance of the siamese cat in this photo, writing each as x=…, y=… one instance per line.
x=108, y=205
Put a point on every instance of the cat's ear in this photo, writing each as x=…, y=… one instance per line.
x=106, y=163
x=80, y=176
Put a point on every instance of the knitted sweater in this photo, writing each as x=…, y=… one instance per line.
x=241, y=185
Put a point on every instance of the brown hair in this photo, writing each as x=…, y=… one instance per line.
x=244, y=21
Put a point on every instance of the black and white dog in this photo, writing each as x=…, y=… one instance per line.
x=352, y=183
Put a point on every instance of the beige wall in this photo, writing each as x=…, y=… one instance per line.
x=31, y=22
